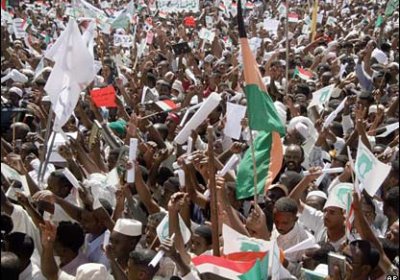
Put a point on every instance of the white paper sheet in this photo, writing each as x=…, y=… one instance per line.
x=234, y=115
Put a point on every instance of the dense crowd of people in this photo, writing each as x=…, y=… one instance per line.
x=81, y=203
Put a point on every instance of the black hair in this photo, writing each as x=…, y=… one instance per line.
x=106, y=205
x=143, y=258
x=62, y=179
x=293, y=178
x=10, y=266
x=392, y=199
x=390, y=248
x=157, y=217
x=20, y=244
x=337, y=128
x=374, y=257
x=269, y=219
x=205, y=232
x=365, y=247
x=7, y=224
x=70, y=235
x=368, y=200
x=286, y=204
x=321, y=254
x=395, y=169
x=163, y=175
x=31, y=148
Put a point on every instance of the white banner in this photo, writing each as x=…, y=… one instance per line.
x=125, y=41
x=178, y=6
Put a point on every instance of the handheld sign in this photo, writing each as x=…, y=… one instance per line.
x=130, y=174
x=104, y=97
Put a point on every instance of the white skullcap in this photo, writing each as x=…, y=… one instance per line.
x=380, y=56
x=177, y=85
x=302, y=129
x=338, y=196
x=374, y=108
x=92, y=271
x=128, y=227
x=17, y=91
x=317, y=193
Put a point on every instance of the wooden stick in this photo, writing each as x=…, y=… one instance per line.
x=287, y=48
x=13, y=134
x=253, y=157
x=213, y=192
x=46, y=140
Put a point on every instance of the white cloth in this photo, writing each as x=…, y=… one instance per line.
x=59, y=214
x=288, y=240
x=31, y=272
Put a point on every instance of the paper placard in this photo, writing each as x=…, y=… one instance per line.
x=181, y=176
x=189, y=146
x=130, y=174
x=206, y=108
x=234, y=115
x=104, y=97
x=163, y=229
x=18, y=27
x=189, y=21
x=271, y=25
x=71, y=178
x=106, y=239
x=209, y=22
x=125, y=41
x=320, y=17
x=229, y=165
x=149, y=37
x=207, y=35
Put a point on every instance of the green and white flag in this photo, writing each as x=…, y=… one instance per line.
x=391, y=7
x=163, y=229
x=370, y=171
x=236, y=242
x=321, y=97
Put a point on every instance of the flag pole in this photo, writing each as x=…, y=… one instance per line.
x=46, y=138
x=287, y=48
x=314, y=20
x=253, y=157
x=14, y=145
x=213, y=192
x=46, y=162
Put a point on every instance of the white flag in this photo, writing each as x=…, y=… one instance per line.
x=370, y=171
x=73, y=71
x=163, y=229
x=321, y=97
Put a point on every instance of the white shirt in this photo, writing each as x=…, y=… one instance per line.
x=313, y=220
x=288, y=240
x=31, y=272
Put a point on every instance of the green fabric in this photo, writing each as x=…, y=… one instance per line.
x=119, y=126
x=379, y=21
x=258, y=272
x=391, y=7
x=261, y=111
x=244, y=179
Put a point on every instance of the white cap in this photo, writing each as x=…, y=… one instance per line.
x=338, y=196
x=380, y=56
x=177, y=85
x=92, y=271
x=302, y=129
x=374, y=108
x=128, y=227
x=16, y=90
x=317, y=193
